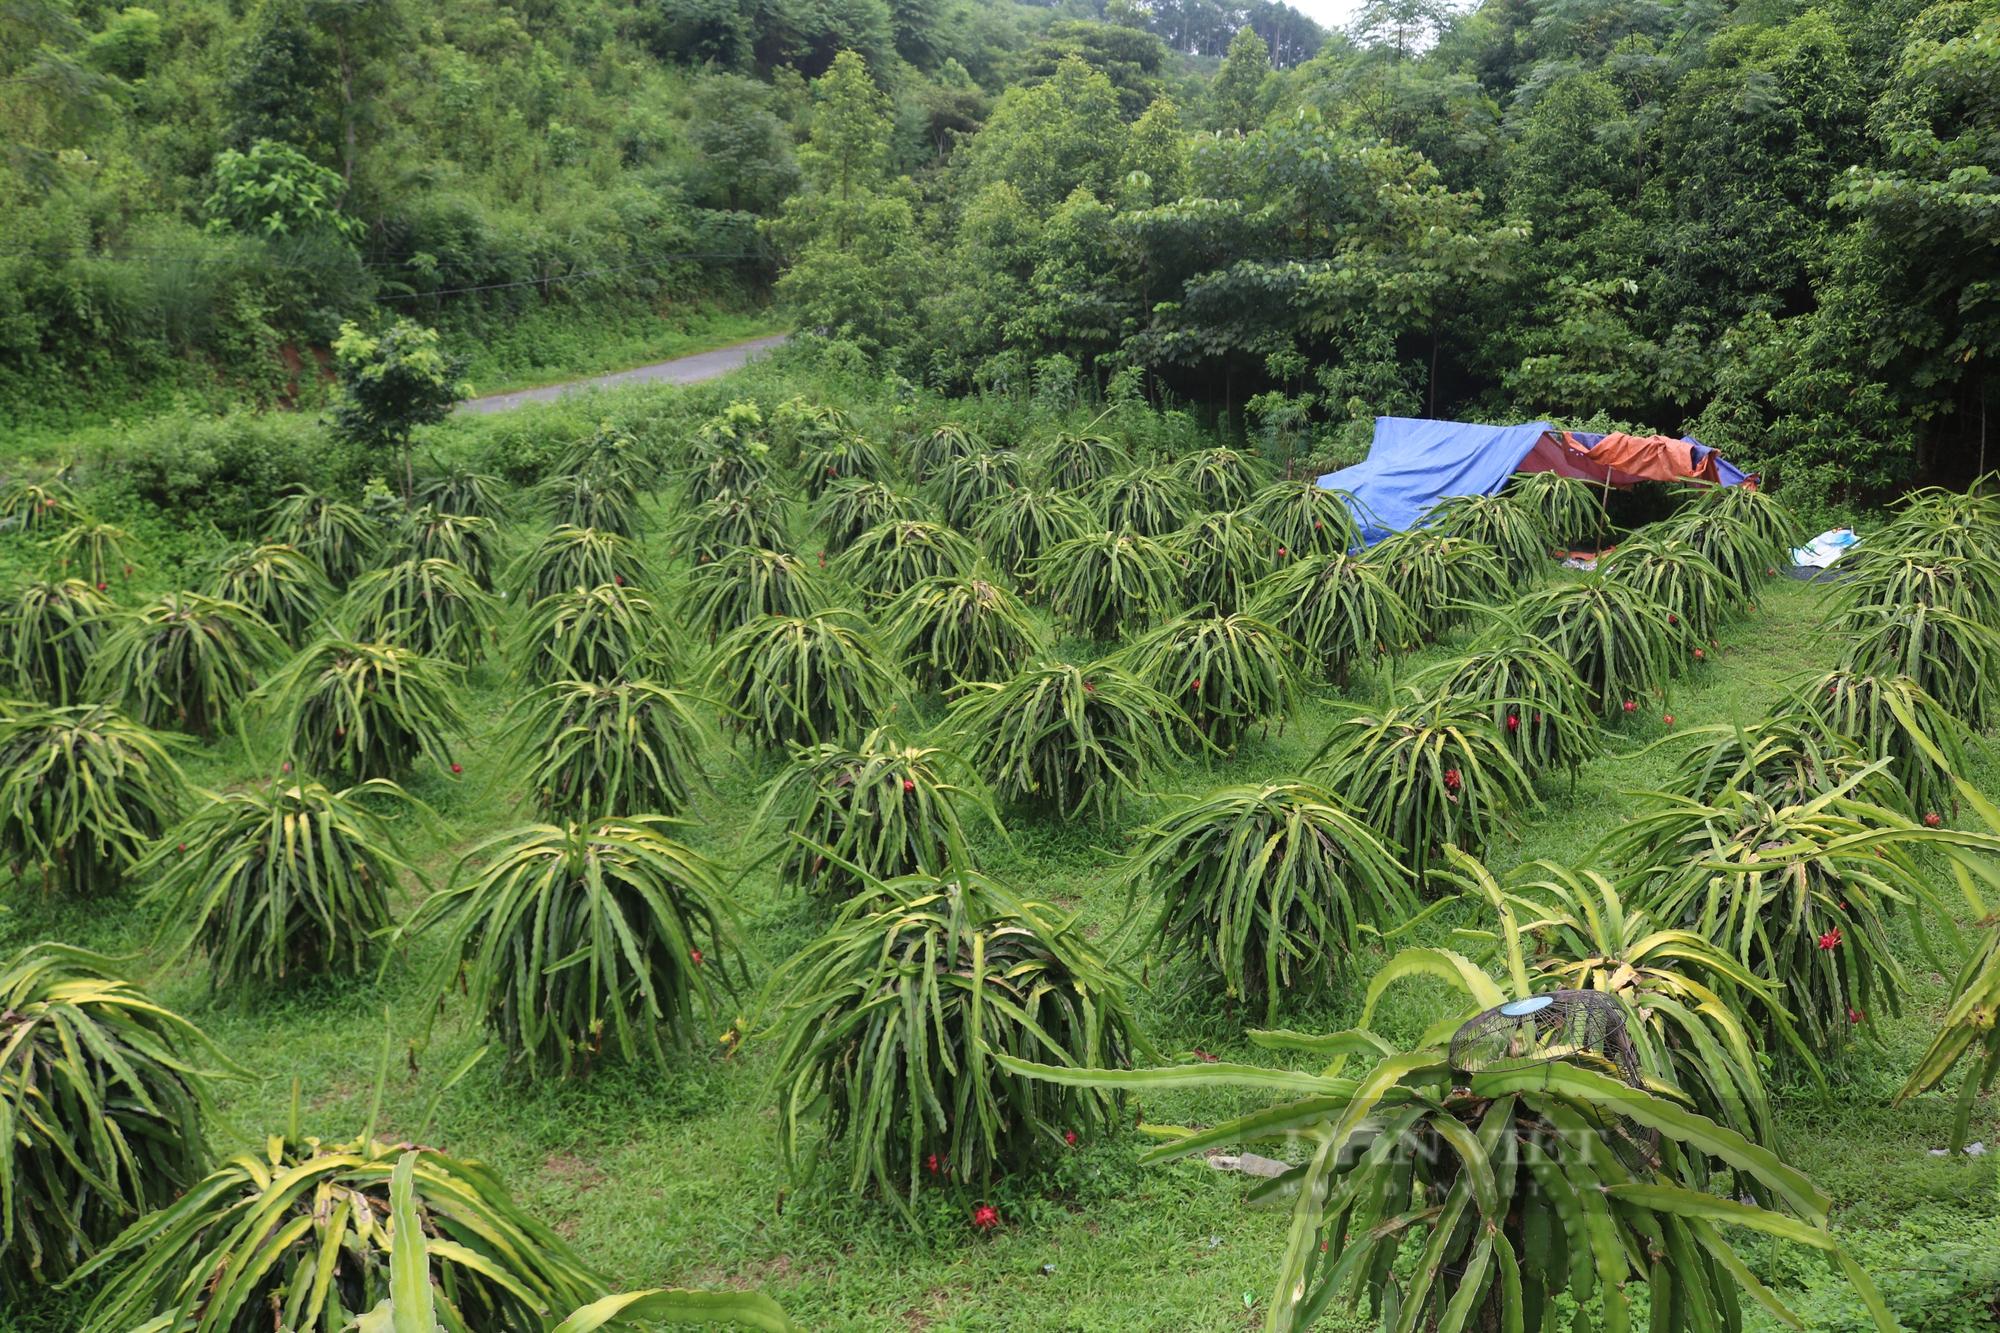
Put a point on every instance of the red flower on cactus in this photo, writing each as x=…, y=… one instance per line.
x=1933, y=819
x=1830, y=940
x=1452, y=779
x=695, y=954
x=986, y=1217
x=1513, y=722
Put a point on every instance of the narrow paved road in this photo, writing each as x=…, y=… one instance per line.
x=681, y=370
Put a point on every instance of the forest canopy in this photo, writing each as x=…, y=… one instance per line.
x=1770, y=226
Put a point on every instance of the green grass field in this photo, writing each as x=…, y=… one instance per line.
x=675, y=1178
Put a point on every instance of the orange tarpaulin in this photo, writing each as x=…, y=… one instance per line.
x=1622, y=460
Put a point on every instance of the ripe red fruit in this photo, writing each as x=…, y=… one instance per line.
x=985, y=1217
x=1673, y=620
x=620, y=578
x=288, y=767
x=1317, y=525
x=909, y=784
x=1854, y=1015
x=1069, y=1137
x=1088, y=686
x=183, y=847
x=1631, y=707
x=1670, y=719
x=932, y=1163
x=1452, y=779
x=1513, y=722
x=456, y=769
x=1281, y=550
x=100, y=587
x=1195, y=686
x=1697, y=652
x=1933, y=819
x=696, y=955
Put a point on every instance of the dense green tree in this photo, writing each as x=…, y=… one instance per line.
x=1241, y=79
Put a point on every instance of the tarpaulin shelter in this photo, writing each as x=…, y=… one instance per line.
x=1416, y=462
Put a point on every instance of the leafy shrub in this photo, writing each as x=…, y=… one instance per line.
x=802, y=680
x=84, y=790
x=578, y=936
x=948, y=441
x=572, y=558
x=602, y=750
x=283, y=588
x=1223, y=556
x=265, y=1216
x=1426, y=775
x=183, y=660
x=1067, y=738
x=92, y=549
x=104, y=1097
x=588, y=501
x=1619, y=640
x=965, y=487
x=1339, y=609
x=889, y=560
x=731, y=456
x=847, y=457
x=48, y=636
x=1675, y=575
x=1268, y=887
x=1954, y=660
x=1227, y=673
x=949, y=629
x=1890, y=717
x=890, y=1022
x=335, y=535
x=761, y=520
x=1103, y=583
x=1078, y=462
x=471, y=543
x=288, y=880
x=854, y=815
x=1506, y=1162
x=610, y=459
x=1223, y=478
x=602, y=633
x=1024, y=525
x=432, y=607
x=353, y=712
x=1532, y=697
x=1802, y=892
x=1151, y=502
x=1305, y=519
x=743, y=584
x=1569, y=510
x=1504, y=521
x=849, y=509
x=1439, y=577
x=225, y=469
x=459, y=491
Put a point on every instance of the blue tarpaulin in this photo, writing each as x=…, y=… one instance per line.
x=1414, y=463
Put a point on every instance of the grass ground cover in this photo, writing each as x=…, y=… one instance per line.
x=675, y=1176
